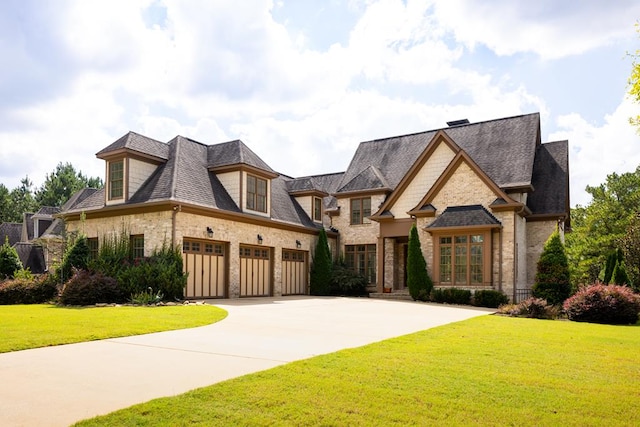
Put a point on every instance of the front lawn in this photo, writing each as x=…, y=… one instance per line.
x=31, y=326
x=488, y=370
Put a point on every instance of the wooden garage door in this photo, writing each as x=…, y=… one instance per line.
x=206, y=267
x=294, y=272
x=255, y=271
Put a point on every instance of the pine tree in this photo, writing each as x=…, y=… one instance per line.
x=418, y=280
x=321, y=268
x=9, y=260
x=620, y=276
x=552, y=277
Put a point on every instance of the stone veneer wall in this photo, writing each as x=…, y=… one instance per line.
x=157, y=227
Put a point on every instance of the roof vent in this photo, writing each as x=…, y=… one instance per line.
x=458, y=122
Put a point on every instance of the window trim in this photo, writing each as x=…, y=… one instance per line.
x=363, y=217
x=254, y=198
x=317, y=209
x=136, y=250
x=486, y=257
x=111, y=180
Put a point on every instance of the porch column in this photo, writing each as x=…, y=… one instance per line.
x=389, y=262
x=380, y=270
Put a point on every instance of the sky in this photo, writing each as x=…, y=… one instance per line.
x=302, y=83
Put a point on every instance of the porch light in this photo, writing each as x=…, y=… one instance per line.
x=259, y=239
x=209, y=231
x=298, y=244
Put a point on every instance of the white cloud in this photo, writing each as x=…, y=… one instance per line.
x=596, y=152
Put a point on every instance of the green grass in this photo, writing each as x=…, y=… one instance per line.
x=485, y=371
x=31, y=326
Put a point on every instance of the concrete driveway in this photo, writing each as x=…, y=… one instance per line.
x=57, y=386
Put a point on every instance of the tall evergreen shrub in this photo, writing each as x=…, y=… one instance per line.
x=552, y=277
x=418, y=280
x=620, y=276
x=76, y=257
x=9, y=260
x=320, y=283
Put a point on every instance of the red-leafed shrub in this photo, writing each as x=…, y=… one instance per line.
x=610, y=304
x=536, y=308
x=28, y=290
x=88, y=288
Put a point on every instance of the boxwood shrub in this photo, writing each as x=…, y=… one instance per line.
x=610, y=304
x=489, y=298
x=347, y=282
x=451, y=296
x=88, y=288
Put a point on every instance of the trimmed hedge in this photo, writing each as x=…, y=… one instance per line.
x=346, y=282
x=489, y=298
x=451, y=296
x=35, y=290
x=609, y=304
x=88, y=288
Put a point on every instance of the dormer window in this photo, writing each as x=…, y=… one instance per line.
x=116, y=180
x=256, y=193
x=317, y=209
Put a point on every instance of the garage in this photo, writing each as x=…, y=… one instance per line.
x=255, y=271
x=294, y=272
x=206, y=268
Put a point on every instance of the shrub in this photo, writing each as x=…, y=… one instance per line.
x=28, y=290
x=114, y=254
x=345, y=281
x=88, y=288
x=9, y=260
x=489, y=298
x=552, y=277
x=536, y=308
x=417, y=276
x=161, y=271
x=620, y=276
x=76, y=257
x=146, y=297
x=451, y=296
x=320, y=278
x=610, y=304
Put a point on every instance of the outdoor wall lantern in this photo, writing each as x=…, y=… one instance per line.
x=259, y=239
x=298, y=244
x=209, y=231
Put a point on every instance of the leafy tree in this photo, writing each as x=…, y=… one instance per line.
x=320, y=280
x=9, y=260
x=62, y=183
x=6, y=213
x=21, y=200
x=634, y=81
x=418, y=280
x=598, y=227
x=630, y=244
x=552, y=276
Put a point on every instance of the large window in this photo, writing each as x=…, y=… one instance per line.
x=137, y=246
x=116, y=180
x=461, y=259
x=92, y=243
x=317, y=209
x=362, y=259
x=360, y=210
x=256, y=193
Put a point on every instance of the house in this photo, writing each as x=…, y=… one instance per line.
x=484, y=196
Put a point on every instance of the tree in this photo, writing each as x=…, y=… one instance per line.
x=620, y=276
x=634, y=81
x=418, y=280
x=320, y=283
x=9, y=260
x=598, y=227
x=612, y=260
x=62, y=183
x=76, y=257
x=552, y=280
x=21, y=200
x=6, y=213
x=630, y=244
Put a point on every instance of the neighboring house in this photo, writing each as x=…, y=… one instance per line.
x=38, y=239
x=484, y=196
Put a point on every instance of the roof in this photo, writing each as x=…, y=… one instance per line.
x=370, y=178
x=47, y=211
x=503, y=148
x=550, y=171
x=138, y=143
x=464, y=216
x=12, y=231
x=31, y=256
x=234, y=153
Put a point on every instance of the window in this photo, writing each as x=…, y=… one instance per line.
x=256, y=193
x=317, y=209
x=362, y=260
x=247, y=252
x=137, y=246
x=116, y=180
x=92, y=243
x=461, y=259
x=360, y=210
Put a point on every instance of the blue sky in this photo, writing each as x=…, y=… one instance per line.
x=303, y=82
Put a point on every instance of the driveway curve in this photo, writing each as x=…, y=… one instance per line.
x=56, y=386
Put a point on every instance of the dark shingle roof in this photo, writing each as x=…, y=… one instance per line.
x=234, y=153
x=370, y=178
x=327, y=183
x=31, y=256
x=504, y=149
x=12, y=231
x=139, y=143
x=550, y=179
x=47, y=211
x=284, y=207
x=464, y=216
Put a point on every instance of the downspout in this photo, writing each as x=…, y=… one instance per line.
x=176, y=209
